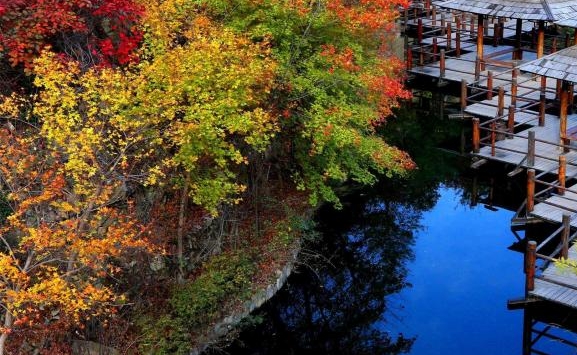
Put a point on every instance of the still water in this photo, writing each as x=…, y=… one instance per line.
x=417, y=266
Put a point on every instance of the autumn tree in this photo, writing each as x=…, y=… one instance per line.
x=90, y=31
x=336, y=82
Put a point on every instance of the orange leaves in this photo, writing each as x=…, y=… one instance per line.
x=371, y=15
x=344, y=59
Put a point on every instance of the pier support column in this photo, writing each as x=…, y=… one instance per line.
x=530, y=259
x=518, y=34
x=566, y=220
x=476, y=135
x=480, y=32
x=563, y=116
x=542, y=101
x=562, y=174
x=541, y=39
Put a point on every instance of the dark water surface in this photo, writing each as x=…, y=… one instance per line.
x=418, y=266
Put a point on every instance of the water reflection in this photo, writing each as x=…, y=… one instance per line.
x=339, y=301
x=335, y=301
x=443, y=230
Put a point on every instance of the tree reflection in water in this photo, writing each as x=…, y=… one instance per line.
x=336, y=302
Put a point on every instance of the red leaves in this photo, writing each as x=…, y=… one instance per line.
x=29, y=26
x=344, y=59
x=370, y=15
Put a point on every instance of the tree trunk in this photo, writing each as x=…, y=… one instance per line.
x=180, y=231
x=8, y=320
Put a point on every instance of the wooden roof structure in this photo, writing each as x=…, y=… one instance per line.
x=536, y=10
x=560, y=65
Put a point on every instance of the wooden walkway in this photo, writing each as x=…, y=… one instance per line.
x=553, y=208
x=514, y=150
x=558, y=284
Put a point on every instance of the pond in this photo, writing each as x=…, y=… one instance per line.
x=417, y=266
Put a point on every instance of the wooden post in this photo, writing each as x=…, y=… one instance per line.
x=449, y=44
x=518, y=34
x=409, y=58
x=562, y=174
x=480, y=21
x=477, y=69
x=434, y=17
x=530, y=259
x=458, y=42
x=420, y=31
x=570, y=98
x=514, y=76
x=567, y=39
x=476, y=135
x=434, y=49
x=542, y=101
x=563, y=116
x=554, y=45
x=463, y=94
x=442, y=64
x=541, y=39
x=531, y=149
x=495, y=34
x=489, y=85
x=443, y=23
x=501, y=102
x=566, y=220
x=493, y=134
x=427, y=7
x=511, y=120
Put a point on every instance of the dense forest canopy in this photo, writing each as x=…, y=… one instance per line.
x=133, y=129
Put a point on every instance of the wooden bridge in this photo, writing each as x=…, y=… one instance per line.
x=516, y=78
